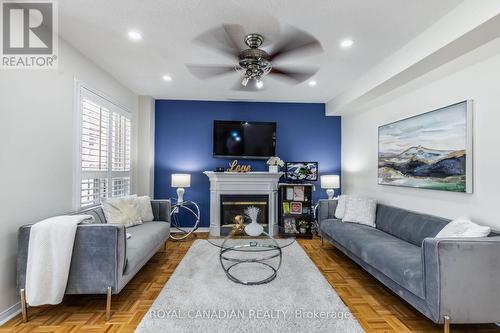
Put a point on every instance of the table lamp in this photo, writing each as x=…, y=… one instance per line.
x=181, y=180
x=330, y=182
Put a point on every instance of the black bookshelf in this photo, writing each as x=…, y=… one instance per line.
x=291, y=219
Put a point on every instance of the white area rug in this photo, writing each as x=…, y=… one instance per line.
x=199, y=297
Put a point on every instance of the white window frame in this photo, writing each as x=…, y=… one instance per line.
x=82, y=90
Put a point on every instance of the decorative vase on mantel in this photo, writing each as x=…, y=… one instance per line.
x=274, y=163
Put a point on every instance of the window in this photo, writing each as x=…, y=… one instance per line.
x=104, y=149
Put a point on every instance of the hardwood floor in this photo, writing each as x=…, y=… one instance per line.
x=377, y=309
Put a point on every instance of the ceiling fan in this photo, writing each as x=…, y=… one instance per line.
x=256, y=60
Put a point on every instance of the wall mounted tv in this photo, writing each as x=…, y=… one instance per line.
x=244, y=139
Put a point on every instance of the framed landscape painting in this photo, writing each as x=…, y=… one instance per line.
x=432, y=150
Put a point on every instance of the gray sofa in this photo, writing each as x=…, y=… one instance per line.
x=453, y=280
x=103, y=260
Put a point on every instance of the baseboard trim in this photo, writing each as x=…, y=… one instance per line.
x=10, y=313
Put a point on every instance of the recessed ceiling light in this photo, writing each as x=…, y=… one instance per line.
x=259, y=84
x=134, y=35
x=346, y=43
x=167, y=78
x=312, y=83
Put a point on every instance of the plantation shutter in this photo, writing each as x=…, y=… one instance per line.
x=105, y=149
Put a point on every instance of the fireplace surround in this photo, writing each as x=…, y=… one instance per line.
x=258, y=184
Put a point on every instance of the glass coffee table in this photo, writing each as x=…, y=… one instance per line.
x=250, y=260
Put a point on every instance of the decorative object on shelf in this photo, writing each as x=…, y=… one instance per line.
x=253, y=229
x=219, y=169
x=296, y=208
x=289, y=193
x=235, y=167
x=185, y=210
x=239, y=225
x=289, y=226
x=431, y=150
x=301, y=171
x=330, y=183
x=181, y=180
x=275, y=163
x=303, y=226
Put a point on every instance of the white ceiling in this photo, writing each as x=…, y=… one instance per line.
x=99, y=29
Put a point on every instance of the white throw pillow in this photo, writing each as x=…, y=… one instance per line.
x=360, y=210
x=145, y=209
x=340, y=210
x=123, y=210
x=463, y=227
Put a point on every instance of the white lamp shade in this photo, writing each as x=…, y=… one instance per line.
x=181, y=180
x=330, y=181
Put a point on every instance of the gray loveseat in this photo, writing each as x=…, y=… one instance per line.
x=453, y=280
x=103, y=260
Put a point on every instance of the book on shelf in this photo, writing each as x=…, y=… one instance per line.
x=286, y=208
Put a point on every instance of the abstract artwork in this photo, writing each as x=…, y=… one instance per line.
x=300, y=171
x=432, y=150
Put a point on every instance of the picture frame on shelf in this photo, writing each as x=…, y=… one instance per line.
x=296, y=208
x=298, y=193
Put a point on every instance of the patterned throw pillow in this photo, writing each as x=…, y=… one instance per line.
x=360, y=210
x=123, y=210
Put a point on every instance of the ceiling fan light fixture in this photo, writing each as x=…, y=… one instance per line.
x=244, y=81
x=259, y=84
x=312, y=83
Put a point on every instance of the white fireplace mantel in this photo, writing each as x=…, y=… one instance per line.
x=248, y=183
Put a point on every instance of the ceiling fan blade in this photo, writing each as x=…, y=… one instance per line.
x=295, y=75
x=210, y=71
x=235, y=35
x=226, y=39
x=295, y=40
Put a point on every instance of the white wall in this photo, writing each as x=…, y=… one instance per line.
x=145, y=156
x=478, y=81
x=36, y=147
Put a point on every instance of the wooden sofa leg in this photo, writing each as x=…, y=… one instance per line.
x=446, y=324
x=108, y=304
x=24, y=306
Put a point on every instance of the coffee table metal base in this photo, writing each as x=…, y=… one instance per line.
x=263, y=254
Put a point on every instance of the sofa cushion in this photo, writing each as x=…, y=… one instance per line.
x=145, y=239
x=409, y=226
x=398, y=260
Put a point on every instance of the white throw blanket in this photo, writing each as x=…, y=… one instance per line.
x=49, y=258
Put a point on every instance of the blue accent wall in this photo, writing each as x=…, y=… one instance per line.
x=183, y=141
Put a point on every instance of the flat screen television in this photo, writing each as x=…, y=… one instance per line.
x=244, y=139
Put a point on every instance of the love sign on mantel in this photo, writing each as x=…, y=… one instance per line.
x=235, y=167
